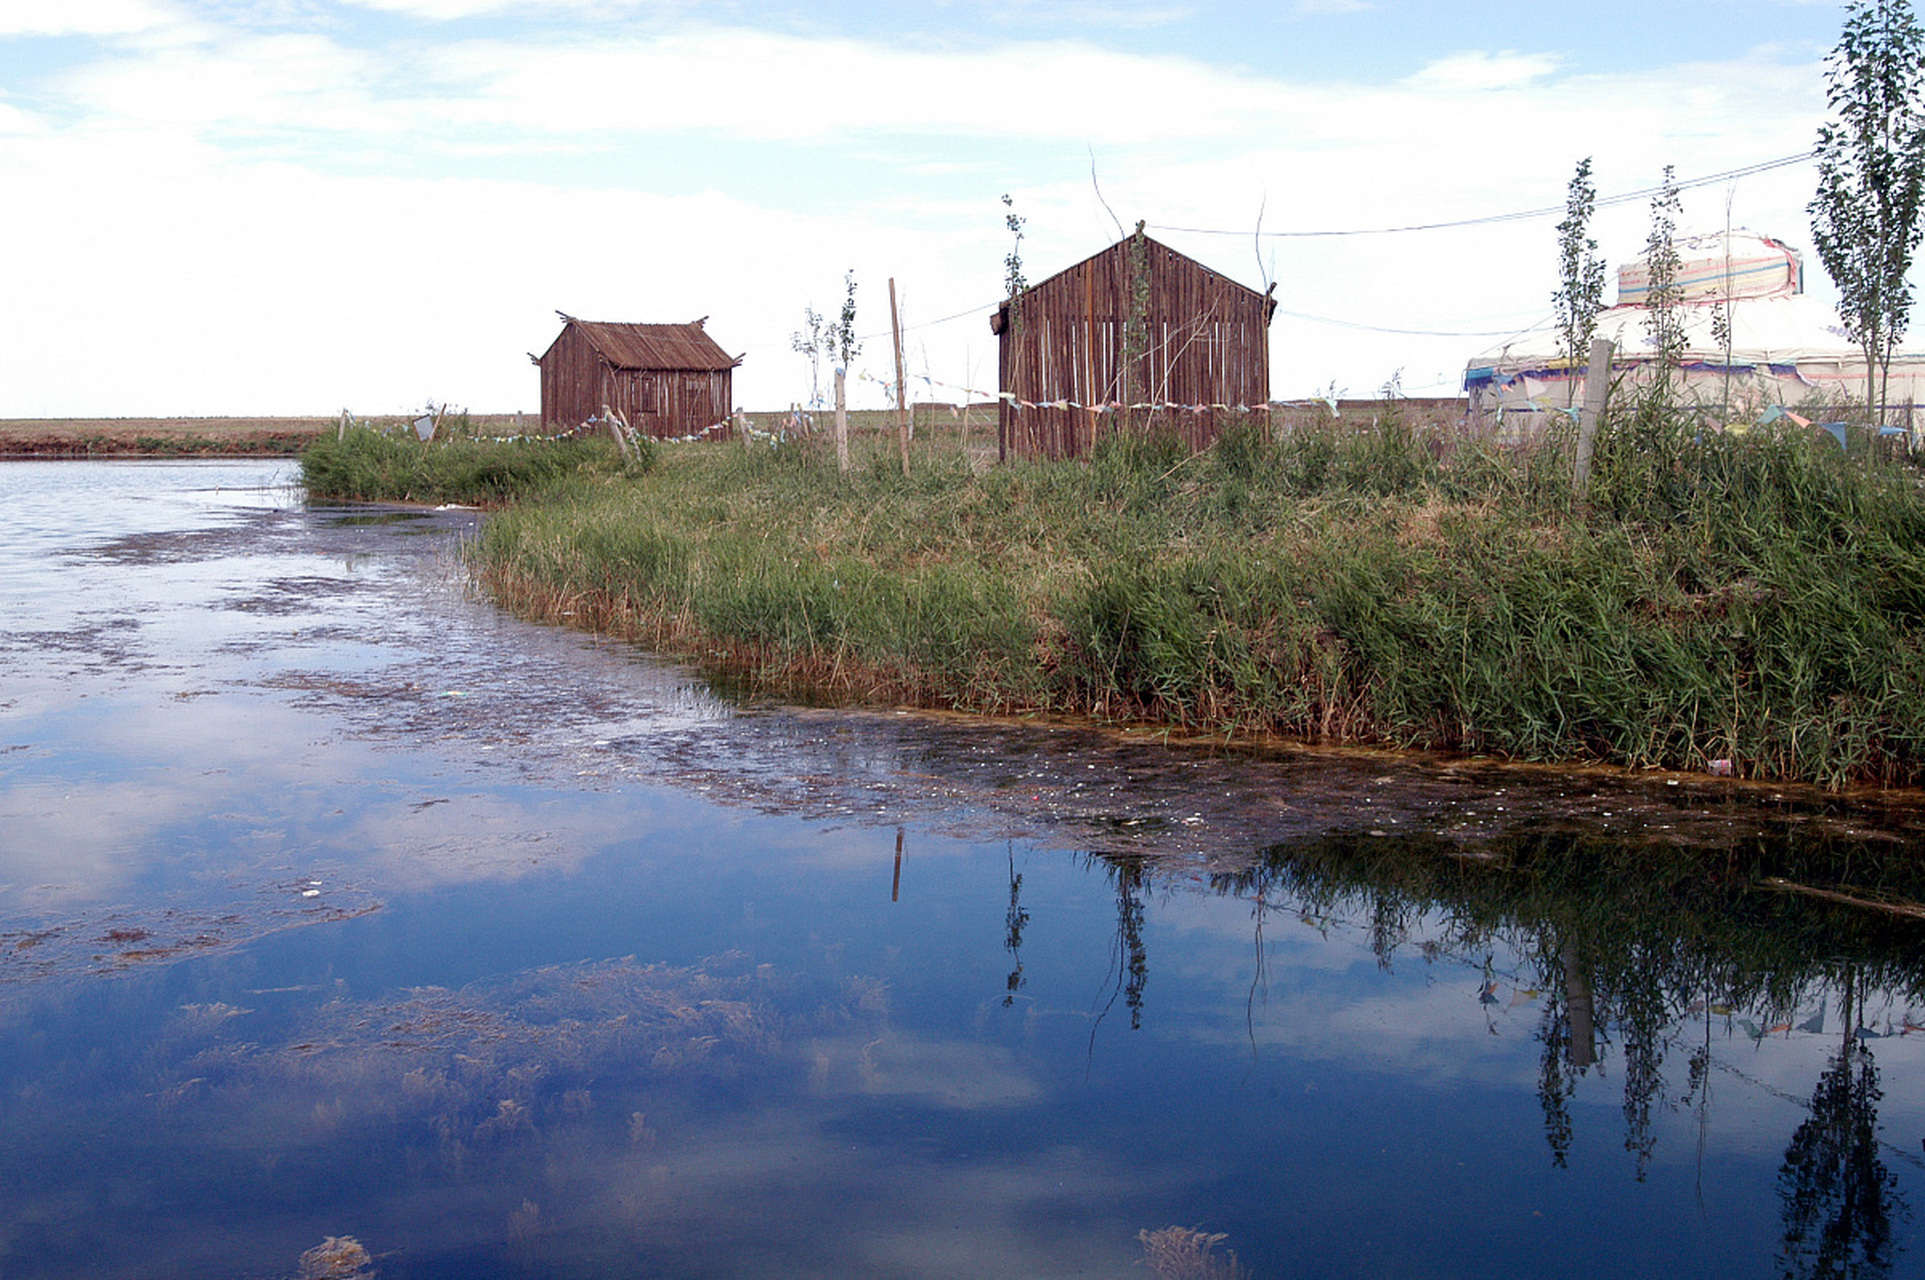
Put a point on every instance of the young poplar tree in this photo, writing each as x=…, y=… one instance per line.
x=1580, y=291
x=1871, y=177
x=840, y=341
x=808, y=342
x=1664, y=296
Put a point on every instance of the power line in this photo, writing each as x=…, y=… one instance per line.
x=1413, y=333
x=930, y=324
x=1519, y=215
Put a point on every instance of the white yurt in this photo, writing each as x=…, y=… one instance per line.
x=1788, y=352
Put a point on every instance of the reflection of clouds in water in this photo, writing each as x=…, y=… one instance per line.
x=600, y=1074
x=955, y=1075
x=1324, y=999
x=756, y=1186
x=521, y=1052
x=68, y=841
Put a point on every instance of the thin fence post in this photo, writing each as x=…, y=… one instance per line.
x=902, y=394
x=1597, y=386
x=842, y=421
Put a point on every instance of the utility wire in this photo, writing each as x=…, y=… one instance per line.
x=930, y=324
x=1414, y=333
x=1519, y=215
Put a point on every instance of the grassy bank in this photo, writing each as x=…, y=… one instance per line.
x=1749, y=599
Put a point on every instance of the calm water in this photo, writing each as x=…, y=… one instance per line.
x=333, y=903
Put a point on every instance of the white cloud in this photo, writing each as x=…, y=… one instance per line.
x=78, y=17
x=216, y=174
x=769, y=86
x=191, y=88
x=1477, y=69
x=452, y=10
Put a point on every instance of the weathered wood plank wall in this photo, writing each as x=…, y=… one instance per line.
x=576, y=381
x=1138, y=337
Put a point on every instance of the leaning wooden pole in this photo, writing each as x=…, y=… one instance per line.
x=902, y=392
x=1597, y=386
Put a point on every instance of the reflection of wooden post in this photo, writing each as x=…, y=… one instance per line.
x=1583, y=1015
x=902, y=392
x=895, y=889
x=842, y=420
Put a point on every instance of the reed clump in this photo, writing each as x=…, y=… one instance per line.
x=1753, y=599
x=366, y=465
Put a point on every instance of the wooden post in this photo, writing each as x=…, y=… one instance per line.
x=902, y=393
x=842, y=420
x=1597, y=385
x=1089, y=351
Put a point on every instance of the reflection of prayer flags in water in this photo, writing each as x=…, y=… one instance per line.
x=1815, y=1025
x=1487, y=994
x=1752, y=1029
x=1521, y=996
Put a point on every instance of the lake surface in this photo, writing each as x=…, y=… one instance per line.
x=334, y=903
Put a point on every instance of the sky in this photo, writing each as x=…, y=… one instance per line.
x=243, y=207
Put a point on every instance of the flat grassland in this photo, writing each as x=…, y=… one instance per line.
x=184, y=437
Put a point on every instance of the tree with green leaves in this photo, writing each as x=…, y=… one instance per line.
x=1580, y=292
x=1871, y=177
x=809, y=342
x=840, y=341
x=1664, y=296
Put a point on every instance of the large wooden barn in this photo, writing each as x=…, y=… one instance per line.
x=666, y=380
x=1138, y=336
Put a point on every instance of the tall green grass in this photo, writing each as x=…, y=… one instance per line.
x=1750, y=599
x=364, y=465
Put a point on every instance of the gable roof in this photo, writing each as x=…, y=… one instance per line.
x=1156, y=255
x=654, y=346
x=1153, y=248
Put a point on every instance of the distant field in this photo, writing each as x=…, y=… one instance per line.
x=176, y=437
x=239, y=437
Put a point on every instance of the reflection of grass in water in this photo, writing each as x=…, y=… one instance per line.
x=502, y=1061
x=1181, y=1253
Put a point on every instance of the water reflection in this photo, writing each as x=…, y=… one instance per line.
x=338, y=913
x=1635, y=950
x=1840, y=1198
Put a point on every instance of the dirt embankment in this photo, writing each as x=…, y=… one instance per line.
x=188, y=437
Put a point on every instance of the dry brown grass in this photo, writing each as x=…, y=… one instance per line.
x=337, y=1258
x=1184, y=1253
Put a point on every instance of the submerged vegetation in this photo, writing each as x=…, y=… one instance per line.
x=1748, y=603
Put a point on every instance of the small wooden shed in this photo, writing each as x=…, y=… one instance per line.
x=666, y=380
x=1137, y=337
